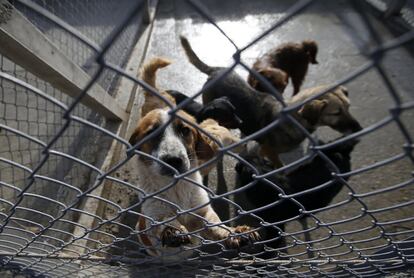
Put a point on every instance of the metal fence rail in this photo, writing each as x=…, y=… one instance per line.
x=59, y=218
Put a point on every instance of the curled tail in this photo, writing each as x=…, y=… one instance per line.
x=150, y=69
x=194, y=58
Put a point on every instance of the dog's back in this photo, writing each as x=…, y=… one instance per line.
x=289, y=56
x=230, y=80
x=256, y=109
x=318, y=172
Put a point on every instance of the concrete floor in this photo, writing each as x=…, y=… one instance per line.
x=325, y=22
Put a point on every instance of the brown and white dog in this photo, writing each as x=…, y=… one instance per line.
x=179, y=147
x=222, y=110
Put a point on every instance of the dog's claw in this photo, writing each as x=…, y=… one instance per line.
x=238, y=241
x=173, y=237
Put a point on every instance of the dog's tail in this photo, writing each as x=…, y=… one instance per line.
x=194, y=58
x=149, y=72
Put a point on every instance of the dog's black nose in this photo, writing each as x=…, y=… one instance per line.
x=174, y=162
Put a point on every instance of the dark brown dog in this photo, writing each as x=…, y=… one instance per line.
x=287, y=60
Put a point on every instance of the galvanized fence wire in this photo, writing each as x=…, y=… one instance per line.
x=47, y=250
x=97, y=19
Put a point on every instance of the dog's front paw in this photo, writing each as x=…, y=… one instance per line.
x=173, y=237
x=237, y=241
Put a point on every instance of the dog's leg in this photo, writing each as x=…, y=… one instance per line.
x=303, y=221
x=205, y=180
x=298, y=77
x=171, y=234
x=277, y=163
x=297, y=83
x=221, y=232
x=220, y=205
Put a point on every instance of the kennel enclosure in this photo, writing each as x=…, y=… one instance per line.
x=70, y=98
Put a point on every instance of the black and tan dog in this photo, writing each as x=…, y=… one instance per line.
x=257, y=109
x=289, y=60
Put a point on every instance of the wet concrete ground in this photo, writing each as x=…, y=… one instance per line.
x=338, y=56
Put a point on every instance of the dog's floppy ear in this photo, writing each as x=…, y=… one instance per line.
x=204, y=147
x=134, y=137
x=227, y=100
x=312, y=110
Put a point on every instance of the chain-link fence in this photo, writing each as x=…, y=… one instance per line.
x=74, y=191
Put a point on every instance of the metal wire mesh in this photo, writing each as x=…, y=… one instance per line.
x=96, y=20
x=46, y=174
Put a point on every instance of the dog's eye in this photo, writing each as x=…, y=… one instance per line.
x=337, y=113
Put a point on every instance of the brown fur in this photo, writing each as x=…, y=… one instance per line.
x=290, y=58
x=205, y=148
x=149, y=76
x=221, y=134
x=278, y=78
x=197, y=143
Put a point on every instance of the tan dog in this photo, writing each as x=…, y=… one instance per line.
x=179, y=147
x=149, y=76
x=331, y=109
x=222, y=135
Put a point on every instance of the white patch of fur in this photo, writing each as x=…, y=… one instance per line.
x=172, y=145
